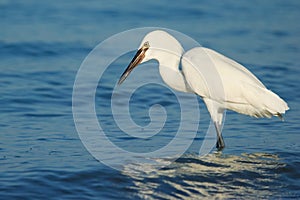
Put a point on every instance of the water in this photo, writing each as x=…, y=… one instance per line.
x=42, y=44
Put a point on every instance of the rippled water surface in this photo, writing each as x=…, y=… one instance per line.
x=42, y=45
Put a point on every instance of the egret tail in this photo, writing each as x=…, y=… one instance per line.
x=259, y=102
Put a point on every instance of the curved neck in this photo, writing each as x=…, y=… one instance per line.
x=167, y=51
x=169, y=70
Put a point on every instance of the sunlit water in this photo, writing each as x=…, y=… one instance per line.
x=42, y=44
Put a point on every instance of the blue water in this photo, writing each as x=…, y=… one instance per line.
x=42, y=45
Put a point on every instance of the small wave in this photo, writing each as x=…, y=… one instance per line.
x=41, y=49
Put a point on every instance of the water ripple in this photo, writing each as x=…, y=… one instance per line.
x=42, y=49
x=215, y=176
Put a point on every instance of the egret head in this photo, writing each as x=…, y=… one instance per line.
x=137, y=59
x=158, y=45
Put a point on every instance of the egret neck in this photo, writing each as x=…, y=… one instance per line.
x=168, y=53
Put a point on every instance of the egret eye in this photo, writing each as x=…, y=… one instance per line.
x=146, y=44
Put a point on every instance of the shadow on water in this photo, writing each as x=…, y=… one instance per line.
x=213, y=176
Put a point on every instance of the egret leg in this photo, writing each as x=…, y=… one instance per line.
x=220, y=142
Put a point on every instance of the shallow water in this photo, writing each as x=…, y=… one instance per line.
x=42, y=45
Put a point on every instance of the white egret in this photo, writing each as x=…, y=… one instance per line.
x=243, y=92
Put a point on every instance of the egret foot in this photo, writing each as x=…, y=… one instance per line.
x=220, y=144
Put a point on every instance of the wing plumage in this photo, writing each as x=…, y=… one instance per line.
x=216, y=77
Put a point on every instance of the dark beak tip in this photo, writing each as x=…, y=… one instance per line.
x=122, y=78
x=120, y=82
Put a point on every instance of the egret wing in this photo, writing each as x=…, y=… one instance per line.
x=221, y=79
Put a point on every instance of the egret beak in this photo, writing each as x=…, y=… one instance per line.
x=137, y=59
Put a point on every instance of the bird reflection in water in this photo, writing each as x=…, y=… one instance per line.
x=212, y=176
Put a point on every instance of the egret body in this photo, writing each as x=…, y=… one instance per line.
x=241, y=91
